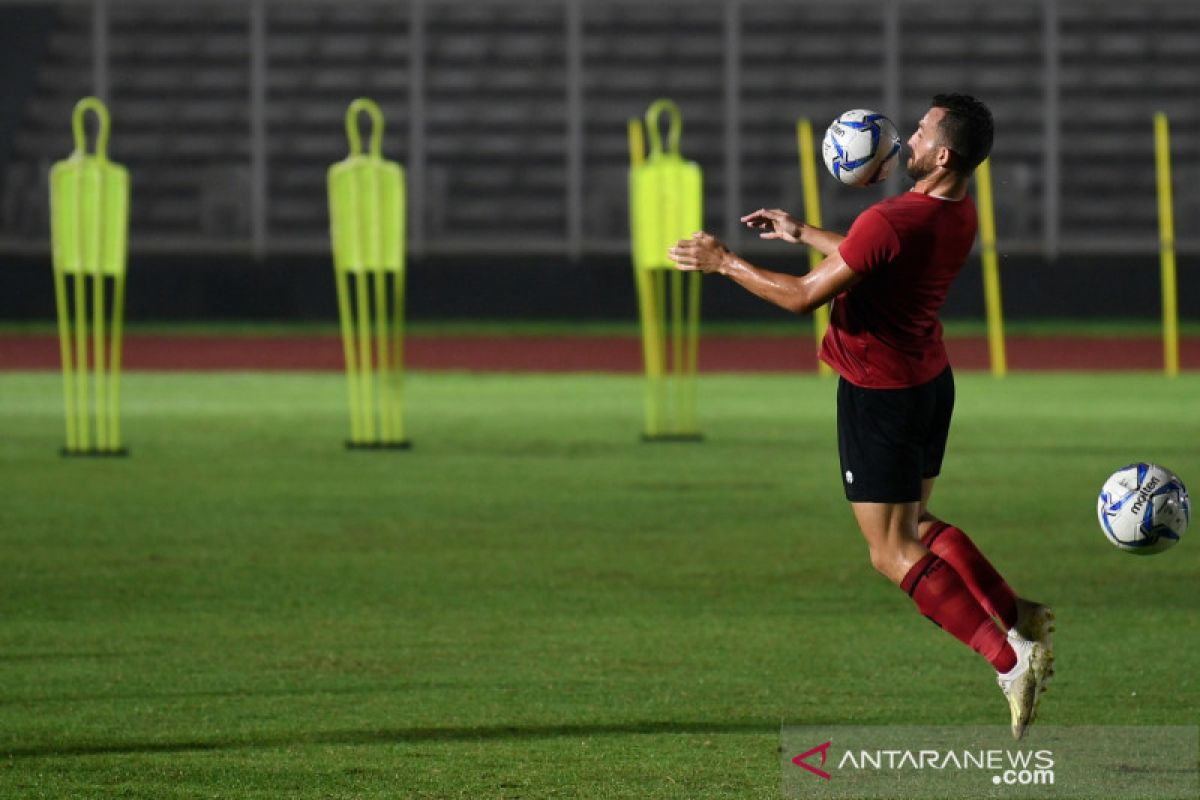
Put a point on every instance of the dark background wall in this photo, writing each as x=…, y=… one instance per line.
x=23, y=38
x=511, y=151
x=548, y=288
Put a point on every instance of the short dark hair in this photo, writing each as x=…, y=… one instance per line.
x=967, y=128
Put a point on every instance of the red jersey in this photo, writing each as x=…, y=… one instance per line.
x=884, y=332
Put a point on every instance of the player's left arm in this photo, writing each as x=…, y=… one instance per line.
x=775, y=223
x=799, y=294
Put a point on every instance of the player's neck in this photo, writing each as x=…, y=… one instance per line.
x=943, y=184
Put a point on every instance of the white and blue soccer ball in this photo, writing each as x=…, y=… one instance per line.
x=861, y=147
x=1143, y=508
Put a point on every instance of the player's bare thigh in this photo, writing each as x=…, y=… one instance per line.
x=889, y=530
x=926, y=520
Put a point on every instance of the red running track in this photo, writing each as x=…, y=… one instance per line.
x=576, y=354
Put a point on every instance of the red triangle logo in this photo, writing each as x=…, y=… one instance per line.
x=823, y=749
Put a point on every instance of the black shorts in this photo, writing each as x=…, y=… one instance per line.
x=890, y=440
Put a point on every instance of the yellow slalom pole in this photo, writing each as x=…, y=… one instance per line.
x=346, y=319
x=114, y=361
x=362, y=310
x=96, y=250
x=366, y=392
x=677, y=349
x=692, y=367
x=383, y=358
x=652, y=348
x=812, y=215
x=991, y=269
x=89, y=201
x=647, y=302
x=64, y=344
x=83, y=404
x=366, y=208
x=660, y=297
x=1166, y=245
x=347, y=325
x=376, y=282
x=665, y=205
x=398, y=355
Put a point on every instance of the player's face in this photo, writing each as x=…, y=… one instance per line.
x=924, y=144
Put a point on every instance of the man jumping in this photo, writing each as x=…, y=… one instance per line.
x=887, y=280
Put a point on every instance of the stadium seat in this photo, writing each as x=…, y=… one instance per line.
x=495, y=104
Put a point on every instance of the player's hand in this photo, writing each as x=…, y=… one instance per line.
x=775, y=223
x=701, y=253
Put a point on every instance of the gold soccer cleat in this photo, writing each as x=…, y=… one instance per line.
x=1023, y=684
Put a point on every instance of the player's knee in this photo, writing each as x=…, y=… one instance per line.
x=882, y=559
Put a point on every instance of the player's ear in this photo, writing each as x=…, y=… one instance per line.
x=945, y=157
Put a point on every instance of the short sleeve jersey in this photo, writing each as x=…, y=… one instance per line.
x=884, y=332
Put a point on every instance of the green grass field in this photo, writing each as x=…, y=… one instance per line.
x=531, y=603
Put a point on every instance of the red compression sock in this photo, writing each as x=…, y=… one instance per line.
x=990, y=589
x=942, y=596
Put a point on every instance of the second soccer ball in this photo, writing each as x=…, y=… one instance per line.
x=1143, y=508
x=861, y=147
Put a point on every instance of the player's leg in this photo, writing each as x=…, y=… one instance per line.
x=1026, y=618
x=947, y=540
x=880, y=442
x=1024, y=682
x=952, y=544
x=890, y=531
x=1029, y=624
x=940, y=594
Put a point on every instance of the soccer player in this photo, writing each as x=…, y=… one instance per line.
x=887, y=279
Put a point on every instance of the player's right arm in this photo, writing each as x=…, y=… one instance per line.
x=775, y=223
x=799, y=294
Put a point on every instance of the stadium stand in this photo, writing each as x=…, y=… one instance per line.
x=495, y=106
